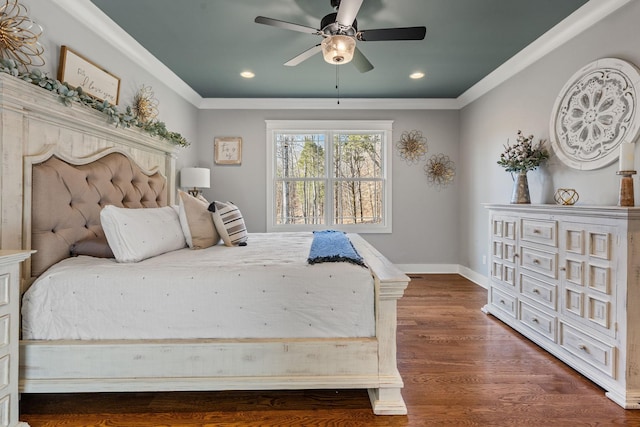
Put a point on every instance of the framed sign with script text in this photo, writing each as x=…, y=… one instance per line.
x=77, y=71
x=228, y=150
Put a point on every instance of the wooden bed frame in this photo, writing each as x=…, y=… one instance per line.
x=35, y=125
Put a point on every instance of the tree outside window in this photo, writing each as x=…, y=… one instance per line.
x=329, y=179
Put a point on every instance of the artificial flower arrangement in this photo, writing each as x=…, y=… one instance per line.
x=523, y=156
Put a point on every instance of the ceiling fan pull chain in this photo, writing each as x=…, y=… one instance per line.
x=338, y=82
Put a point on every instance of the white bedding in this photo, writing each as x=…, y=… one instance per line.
x=263, y=290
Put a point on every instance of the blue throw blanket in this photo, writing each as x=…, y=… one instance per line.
x=332, y=246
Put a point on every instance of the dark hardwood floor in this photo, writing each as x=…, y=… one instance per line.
x=460, y=367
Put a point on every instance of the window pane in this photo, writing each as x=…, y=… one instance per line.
x=358, y=202
x=300, y=202
x=358, y=155
x=300, y=155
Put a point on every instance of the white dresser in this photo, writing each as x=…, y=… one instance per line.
x=9, y=333
x=568, y=278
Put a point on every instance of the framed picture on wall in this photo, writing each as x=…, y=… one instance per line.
x=78, y=71
x=228, y=150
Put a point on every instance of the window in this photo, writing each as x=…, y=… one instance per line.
x=329, y=174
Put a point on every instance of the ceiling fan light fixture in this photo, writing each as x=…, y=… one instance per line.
x=338, y=49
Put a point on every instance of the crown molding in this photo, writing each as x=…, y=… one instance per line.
x=586, y=16
x=90, y=16
x=580, y=20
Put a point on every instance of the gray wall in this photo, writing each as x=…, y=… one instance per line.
x=430, y=227
x=424, y=219
x=61, y=28
x=525, y=102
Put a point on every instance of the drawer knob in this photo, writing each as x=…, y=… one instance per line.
x=536, y=261
x=536, y=291
x=563, y=269
x=535, y=320
x=502, y=302
x=536, y=231
x=583, y=347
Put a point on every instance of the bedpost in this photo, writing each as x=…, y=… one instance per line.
x=390, y=284
x=387, y=399
x=170, y=175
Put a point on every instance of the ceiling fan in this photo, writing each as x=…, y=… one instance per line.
x=340, y=33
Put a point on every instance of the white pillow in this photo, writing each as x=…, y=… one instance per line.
x=137, y=234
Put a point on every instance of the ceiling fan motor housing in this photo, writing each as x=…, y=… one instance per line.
x=330, y=26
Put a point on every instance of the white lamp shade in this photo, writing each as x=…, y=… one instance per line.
x=195, y=177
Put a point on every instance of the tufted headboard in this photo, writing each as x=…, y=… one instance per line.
x=67, y=199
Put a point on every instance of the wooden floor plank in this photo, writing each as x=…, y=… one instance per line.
x=460, y=367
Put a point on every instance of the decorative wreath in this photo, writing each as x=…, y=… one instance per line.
x=412, y=146
x=440, y=170
x=19, y=35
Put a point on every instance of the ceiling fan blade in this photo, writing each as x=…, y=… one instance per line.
x=285, y=25
x=304, y=56
x=347, y=12
x=361, y=62
x=408, y=33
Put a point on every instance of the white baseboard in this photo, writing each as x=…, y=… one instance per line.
x=477, y=278
x=467, y=273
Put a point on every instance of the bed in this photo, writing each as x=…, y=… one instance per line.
x=76, y=146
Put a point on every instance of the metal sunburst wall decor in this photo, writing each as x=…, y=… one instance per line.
x=145, y=104
x=440, y=170
x=19, y=35
x=412, y=146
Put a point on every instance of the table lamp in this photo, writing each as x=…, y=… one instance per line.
x=194, y=179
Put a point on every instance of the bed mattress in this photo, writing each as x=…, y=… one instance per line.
x=263, y=290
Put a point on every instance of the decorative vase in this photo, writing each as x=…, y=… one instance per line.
x=521, y=189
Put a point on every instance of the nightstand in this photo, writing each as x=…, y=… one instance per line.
x=9, y=333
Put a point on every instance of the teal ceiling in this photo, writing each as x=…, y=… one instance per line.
x=207, y=43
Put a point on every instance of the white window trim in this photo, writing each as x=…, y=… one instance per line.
x=386, y=126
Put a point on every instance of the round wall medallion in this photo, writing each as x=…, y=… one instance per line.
x=595, y=112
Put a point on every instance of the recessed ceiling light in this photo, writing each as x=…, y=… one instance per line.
x=416, y=75
x=247, y=74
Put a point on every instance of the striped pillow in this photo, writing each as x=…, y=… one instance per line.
x=229, y=223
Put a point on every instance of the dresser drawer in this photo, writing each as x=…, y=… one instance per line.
x=540, y=231
x=593, y=351
x=503, y=301
x=4, y=372
x=5, y=323
x=537, y=320
x=539, y=291
x=504, y=227
x=542, y=262
x=4, y=289
x=5, y=409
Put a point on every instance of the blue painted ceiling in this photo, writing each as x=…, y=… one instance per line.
x=207, y=43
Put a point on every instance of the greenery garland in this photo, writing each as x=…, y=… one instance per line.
x=68, y=95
